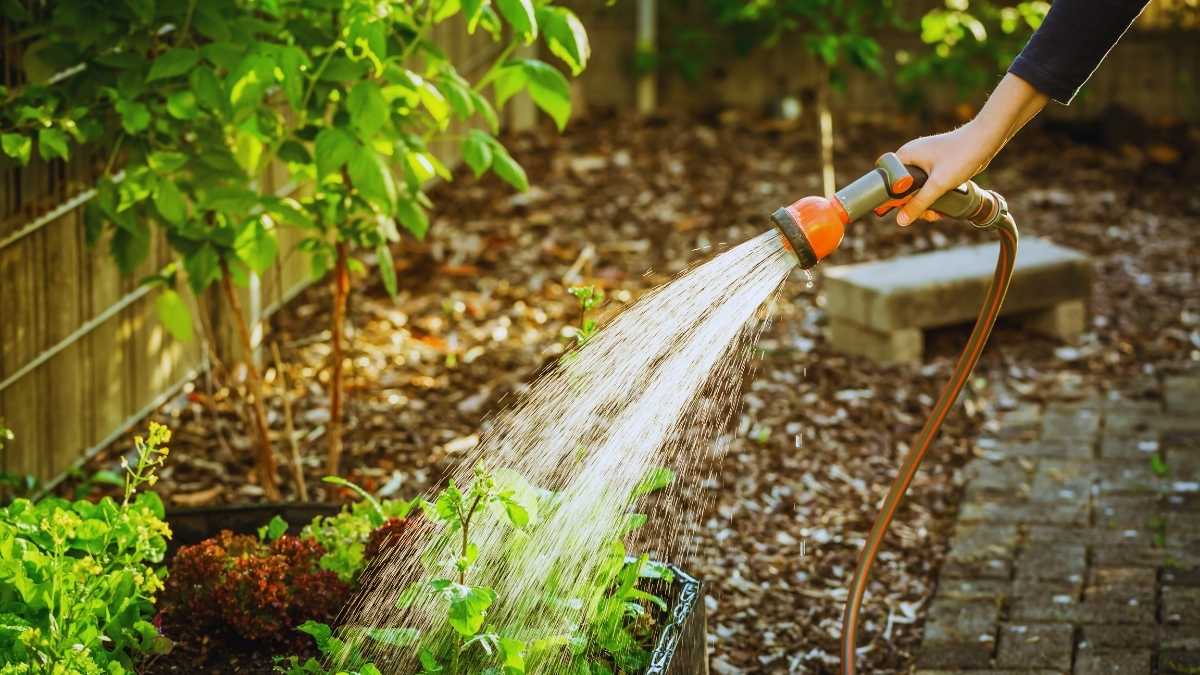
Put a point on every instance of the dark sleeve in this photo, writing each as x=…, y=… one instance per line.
x=1071, y=42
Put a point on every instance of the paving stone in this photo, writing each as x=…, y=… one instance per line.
x=1035, y=646
x=989, y=672
x=1063, y=563
x=1180, y=637
x=1129, y=446
x=1129, y=421
x=1025, y=418
x=1062, y=480
x=1069, y=422
x=1178, y=662
x=1181, y=604
x=1044, y=601
x=1177, y=501
x=1123, y=636
x=956, y=655
x=1090, y=536
x=1091, y=662
x=1127, y=511
x=1129, y=585
x=1016, y=510
x=956, y=621
x=1007, y=475
x=952, y=588
x=1182, y=394
x=982, y=550
x=1044, y=448
x=1182, y=530
x=1117, y=476
x=1181, y=576
x=1135, y=555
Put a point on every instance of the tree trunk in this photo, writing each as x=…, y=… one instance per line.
x=341, y=290
x=265, y=459
x=825, y=116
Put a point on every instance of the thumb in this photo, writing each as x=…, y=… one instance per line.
x=920, y=202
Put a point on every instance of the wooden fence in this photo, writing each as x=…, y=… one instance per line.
x=83, y=357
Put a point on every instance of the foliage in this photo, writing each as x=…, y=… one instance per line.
x=970, y=42
x=345, y=536
x=330, y=648
x=77, y=582
x=254, y=588
x=589, y=297
x=202, y=97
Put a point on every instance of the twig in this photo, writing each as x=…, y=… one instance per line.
x=297, y=467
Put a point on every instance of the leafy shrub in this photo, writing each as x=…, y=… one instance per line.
x=252, y=588
x=345, y=536
x=77, y=582
x=970, y=42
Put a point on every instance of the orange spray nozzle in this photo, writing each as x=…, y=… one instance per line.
x=812, y=227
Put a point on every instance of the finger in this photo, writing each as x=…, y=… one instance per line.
x=919, y=203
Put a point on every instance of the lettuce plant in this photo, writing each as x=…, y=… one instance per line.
x=77, y=579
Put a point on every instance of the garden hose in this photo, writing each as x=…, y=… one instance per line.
x=813, y=227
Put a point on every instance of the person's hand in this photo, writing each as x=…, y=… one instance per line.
x=950, y=159
x=956, y=156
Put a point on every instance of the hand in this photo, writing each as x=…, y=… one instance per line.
x=956, y=156
x=950, y=159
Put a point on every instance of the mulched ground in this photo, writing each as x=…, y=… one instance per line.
x=626, y=205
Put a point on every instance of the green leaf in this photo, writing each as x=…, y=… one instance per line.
x=203, y=267
x=247, y=151
x=507, y=168
x=294, y=152
x=434, y=102
x=485, y=109
x=174, y=315
x=292, y=61
x=207, y=88
x=135, y=117
x=256, y=246
x=565, y=36
x=516, y=513
x=17, y=146
x=377, y=512
x=52, y=144
x=477, y=151
x=509, y=80
x=165, y=161
x=182, y=105
x=319, y=632
x=549, y=90
x=472, y=10
x=373, y=180
x=368, y=109
x=333, y=148
x=413, y=217
x=468, y=607
x=172, y=63
x=170, y=202
x=654, y=480
x=274, y=529
x=521, y=16
x=130, y=245
x=387, y=267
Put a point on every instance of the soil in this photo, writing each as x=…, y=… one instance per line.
x=627, y=204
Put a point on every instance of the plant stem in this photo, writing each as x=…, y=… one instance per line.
x=495, y=67
x=341, y=289
x=265, y=461
x=466, y=535
x=290, y=426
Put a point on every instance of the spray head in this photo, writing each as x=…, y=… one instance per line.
x=813, y=226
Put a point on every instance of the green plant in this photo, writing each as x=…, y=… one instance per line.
x=77, y=582
x=205, y=99
x=14, y=485
x=970, y=41
x=346, y=536
x=589, y=297
x=331, y=648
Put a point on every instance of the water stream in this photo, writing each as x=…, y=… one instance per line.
x=655, y=387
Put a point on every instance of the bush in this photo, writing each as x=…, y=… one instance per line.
x=345, y=535
x=254, y=589
x=77, y=582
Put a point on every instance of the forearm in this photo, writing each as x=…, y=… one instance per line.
x=1011, y=105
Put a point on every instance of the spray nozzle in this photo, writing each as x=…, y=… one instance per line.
x=813, y=226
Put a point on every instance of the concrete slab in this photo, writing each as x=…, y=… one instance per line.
x=867, y=302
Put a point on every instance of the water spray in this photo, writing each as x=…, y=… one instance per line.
x=813, y=228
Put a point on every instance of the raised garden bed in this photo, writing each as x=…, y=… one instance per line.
x=680, y=648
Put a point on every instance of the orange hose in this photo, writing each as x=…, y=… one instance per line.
x=962, y=370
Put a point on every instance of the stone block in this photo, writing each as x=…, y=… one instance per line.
x=1010, y=510
x=1118, y=636
x=1075, y=449
x=1182, y=393
x=1071, y=422
x=1129, y=445
x=1091, y=662
x=1123, y=476
x=1065, y=321
x=1063, y=563
x=945, y=287
x=903, y=345
x=1181, y=604
x=1035, y=646
x=959, y=634
x=1132, y=586
x=1059, y=480
x=953, y=588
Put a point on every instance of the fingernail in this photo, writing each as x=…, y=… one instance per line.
x=902, y=219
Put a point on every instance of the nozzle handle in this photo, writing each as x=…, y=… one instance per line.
x=965, y=202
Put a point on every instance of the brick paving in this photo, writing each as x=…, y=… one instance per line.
x=1077, y=545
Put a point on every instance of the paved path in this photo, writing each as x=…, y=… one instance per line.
x=1077, y=546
